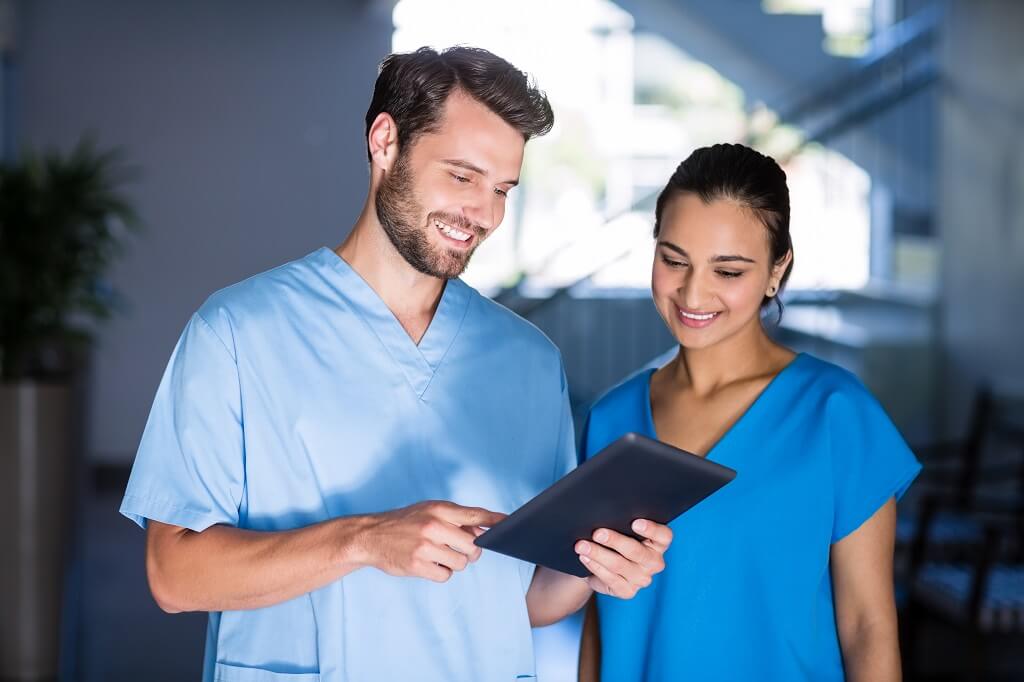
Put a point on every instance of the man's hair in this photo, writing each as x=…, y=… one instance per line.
x=413, y=88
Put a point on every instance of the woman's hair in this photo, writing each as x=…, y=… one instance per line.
x=733, y=172
x=413, y=88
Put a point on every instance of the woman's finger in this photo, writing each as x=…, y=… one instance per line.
x=660, y=535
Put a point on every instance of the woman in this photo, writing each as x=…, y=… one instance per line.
x=786, y=573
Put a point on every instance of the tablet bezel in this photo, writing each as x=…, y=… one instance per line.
x=634, y=477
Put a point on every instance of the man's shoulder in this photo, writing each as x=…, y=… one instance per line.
x=500, y=323
x=259, y=296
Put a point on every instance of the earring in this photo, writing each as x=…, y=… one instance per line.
x=771, y=290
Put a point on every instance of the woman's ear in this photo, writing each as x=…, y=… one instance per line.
x=383, y=141
x=778, y=271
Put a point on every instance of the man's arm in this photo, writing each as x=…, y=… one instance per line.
x=620, y=566
x=225, y=569
x=864, y=602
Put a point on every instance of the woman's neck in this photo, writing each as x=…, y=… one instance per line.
x=747, y=354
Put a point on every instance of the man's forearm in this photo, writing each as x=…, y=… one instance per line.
x=554, y=595
x=228, y=569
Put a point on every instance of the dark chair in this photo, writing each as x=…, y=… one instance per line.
x=961, y=549
x=959, y=470
x=981, y=595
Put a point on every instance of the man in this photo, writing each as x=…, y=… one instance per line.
x=329, y=436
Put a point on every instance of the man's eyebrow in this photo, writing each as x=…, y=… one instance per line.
x=716, y=259
x=460, y=163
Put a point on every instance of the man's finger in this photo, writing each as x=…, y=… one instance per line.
x=433, y=571
x=447, y=557
x=456, y=537
x=469, y=516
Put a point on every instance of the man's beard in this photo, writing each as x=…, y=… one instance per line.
x=398, y=210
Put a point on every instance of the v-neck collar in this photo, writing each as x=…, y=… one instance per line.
x=759, y=403
x=419, y=362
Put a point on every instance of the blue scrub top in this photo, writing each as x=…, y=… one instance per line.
x=747, y=593
x=295, y=397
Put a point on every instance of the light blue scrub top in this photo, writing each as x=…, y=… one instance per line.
x=295, y=397
x=746, y=593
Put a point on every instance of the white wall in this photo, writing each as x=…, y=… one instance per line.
x=245, y=118
x=981, y=200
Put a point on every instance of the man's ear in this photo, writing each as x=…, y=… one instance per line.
x=383, y=141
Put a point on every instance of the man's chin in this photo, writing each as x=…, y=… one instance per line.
x=452, y=264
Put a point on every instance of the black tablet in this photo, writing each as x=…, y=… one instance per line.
x=633, y=478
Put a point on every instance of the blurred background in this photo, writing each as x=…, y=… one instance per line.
x=156, y=151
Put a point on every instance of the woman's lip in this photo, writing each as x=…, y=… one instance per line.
x=694, y=323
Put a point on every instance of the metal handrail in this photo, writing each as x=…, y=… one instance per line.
x=898, y=43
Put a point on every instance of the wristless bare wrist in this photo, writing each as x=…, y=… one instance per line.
x=354, y=545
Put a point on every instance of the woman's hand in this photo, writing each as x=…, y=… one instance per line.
x=621, y=566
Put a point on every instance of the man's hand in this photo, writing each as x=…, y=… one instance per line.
x=427, y=540
x=620, y=565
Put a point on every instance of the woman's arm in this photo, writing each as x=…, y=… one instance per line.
x=862, y=580
x=619, y=566
x=590, y=645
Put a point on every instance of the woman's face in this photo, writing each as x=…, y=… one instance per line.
x=712, y=269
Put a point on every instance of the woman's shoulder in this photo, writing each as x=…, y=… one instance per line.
x=622, y=409
x=827, y=378
x=628, y=393
x=837, y=392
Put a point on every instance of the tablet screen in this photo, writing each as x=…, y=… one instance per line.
x=634, y=477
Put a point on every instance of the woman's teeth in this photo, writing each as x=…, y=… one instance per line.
x=450, y=231
x=693, y=316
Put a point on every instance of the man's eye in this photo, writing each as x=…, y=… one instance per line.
x=460, y=178
x=500, y=192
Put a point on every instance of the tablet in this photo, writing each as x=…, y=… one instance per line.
x=633, y=478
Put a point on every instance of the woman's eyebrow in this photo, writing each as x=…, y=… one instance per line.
x=716, y=259
x=732, y=259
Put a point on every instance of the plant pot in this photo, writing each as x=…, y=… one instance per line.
x=35, y=499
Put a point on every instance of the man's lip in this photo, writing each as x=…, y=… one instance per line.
x=454, y=242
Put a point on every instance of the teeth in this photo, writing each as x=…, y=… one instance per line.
x=451, y=231
x=691, y=316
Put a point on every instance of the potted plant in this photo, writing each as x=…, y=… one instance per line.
x=62, y=223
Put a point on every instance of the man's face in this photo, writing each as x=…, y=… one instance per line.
x=447, y=192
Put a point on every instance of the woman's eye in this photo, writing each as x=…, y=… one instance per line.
x=729, y=273
x=672, y=263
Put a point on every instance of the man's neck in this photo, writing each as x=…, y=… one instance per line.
x=410, y=295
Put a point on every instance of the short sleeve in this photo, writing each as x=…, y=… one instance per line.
x=870, y=460
x=189, y=470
